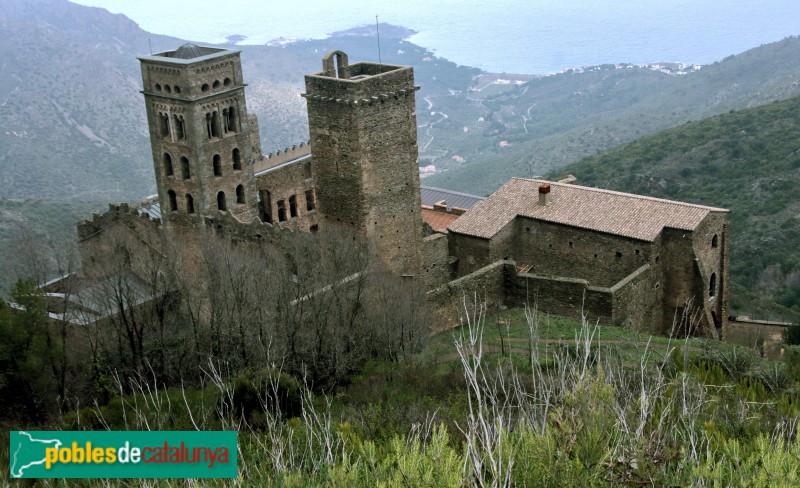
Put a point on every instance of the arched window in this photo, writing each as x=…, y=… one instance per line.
x=158, y=87
x=240, y=194
x=185, y=172
x=204, y=87
x=293, y=206
x=163, y=122
x=167, y=164
x=216, y=84
x=237, y=159
x=173, y=201
x=167, y=89
x=227, y=82
x=230, y=119
x=180, y=126
x=217, y=165
x=221, y=203
x=189, y=204
x=215, y=124
x=177, y=89
x=712, y=285
x=715, y=241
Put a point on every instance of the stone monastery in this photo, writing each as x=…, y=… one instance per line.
x=617, y=258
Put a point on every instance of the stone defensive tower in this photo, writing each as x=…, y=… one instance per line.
x=363, y=131
x=199, y=131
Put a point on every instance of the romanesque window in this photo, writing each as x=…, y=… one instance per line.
x=712, y=285
x=177, y=89
x=158, y=87
x=185, y=172
x=216, y=84
x=189, y=204
x=310, y=203
x=281, y=211
x=180, y=126
x=212, y=124
x=167, y=89
x=293, y=206
x=237, y=159
x=204, y=87
x=240, y=194
x=227, y=82
x=228, y=120
x=163, y=124
x=173, y=201
x=714, y=241
x=167, y=164
x=217, y=165
x=221, y=203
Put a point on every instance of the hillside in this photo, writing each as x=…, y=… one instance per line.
x=747, y=161
x=550, y=122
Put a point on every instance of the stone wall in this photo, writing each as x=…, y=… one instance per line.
x=435, y=261
x=484, y=286
x=287, y=196
x=636, y=302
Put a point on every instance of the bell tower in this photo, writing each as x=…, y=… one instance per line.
x=363, y=129
x=199, y=131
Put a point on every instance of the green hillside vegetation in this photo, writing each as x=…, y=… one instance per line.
x=556, y=120
x=747, y=161
x=568, y=404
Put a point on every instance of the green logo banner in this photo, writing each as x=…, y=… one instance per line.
x=123, y=454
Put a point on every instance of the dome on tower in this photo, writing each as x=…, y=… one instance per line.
x=188, y=51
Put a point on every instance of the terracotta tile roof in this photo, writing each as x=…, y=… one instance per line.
x=611, y=212
x=438, y=220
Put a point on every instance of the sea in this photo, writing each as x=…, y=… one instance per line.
x=514, y=36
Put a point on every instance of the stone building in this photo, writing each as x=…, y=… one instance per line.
x=618, y=258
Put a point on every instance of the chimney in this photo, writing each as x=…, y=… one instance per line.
x=544, y=194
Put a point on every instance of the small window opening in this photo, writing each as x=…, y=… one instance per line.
x=619, y=254
x=714, y=241
x=215, y=124
x=216, y=84
x=185, y=171
x=173, y=201
x=221, y=203
x=595, y=256
x=189, y=204
x=712, y=285
x=227, y=82
x=293, y=206
x=265, y=205
x=240, y=194
x=204, y=87
x=164, y=124
x=637, y=252
x=658, y=258
x=177, y=89
x=229, y=115
x=167, y=88
x=310, y=203
x=314, y=228
x=167, y=164
x=158, y=87
x=217, y=162
x=237, y=159
x=180, y=126
x=570, y=244
x=281, y=211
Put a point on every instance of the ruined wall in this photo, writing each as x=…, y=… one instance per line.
x=486, y=285
x=116, y=239
x=636, y=301
x=569, y=297
x=710, y=244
